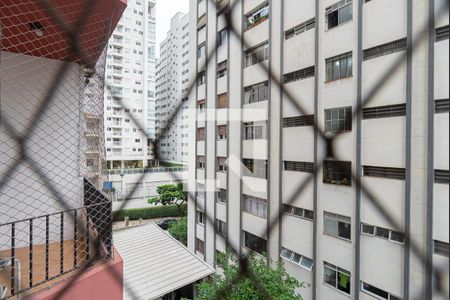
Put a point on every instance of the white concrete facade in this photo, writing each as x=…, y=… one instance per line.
x=388, y=147
x=130, y=89
x=172, y=83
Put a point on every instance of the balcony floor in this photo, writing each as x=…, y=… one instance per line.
x=38, y=265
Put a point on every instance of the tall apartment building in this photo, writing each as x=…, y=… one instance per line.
x=130, y=74
x=329, y=55
x=172, y=81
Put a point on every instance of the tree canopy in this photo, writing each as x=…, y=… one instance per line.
x=273, y=282
x=170, y=194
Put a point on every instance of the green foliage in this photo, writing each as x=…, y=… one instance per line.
x=179, y=230
x=150, y=212
x=169, y=194
x=276, y=281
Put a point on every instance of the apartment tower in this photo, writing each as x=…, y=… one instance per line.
x=172, y=83
x=130, y=89
x=256, y=150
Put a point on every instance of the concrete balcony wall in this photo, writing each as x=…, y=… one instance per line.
x=249, y=5
x=440, y=212
x=383, y=142
x=389, y=193
x=298, y=138
x=291, y=183
x=221, y=148
x=383, y=21
x=254, y=186
x=394, y=89
x=200, y=147
x=294, y=16
x=254, y=224
x=255, y=149
x=221, y=180
x=256, y=35
x=256, y=73
x=378, y=258
x=222, y=85
x=302, y=93
x=295, y=48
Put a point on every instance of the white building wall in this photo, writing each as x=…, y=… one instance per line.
x=130, y=89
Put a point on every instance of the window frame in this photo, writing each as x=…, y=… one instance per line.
x=337, y=270
x=330, y=66
x=337, y=219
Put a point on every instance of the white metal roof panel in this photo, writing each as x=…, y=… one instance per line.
x=154, y=263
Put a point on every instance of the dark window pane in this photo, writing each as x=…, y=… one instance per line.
x=329, y=276
x=382, y=232
x=397, y=236
x=344, y=282
x=332, y=19
x=344, y=230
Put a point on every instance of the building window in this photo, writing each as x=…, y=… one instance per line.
x=201, y=134
x=222, y=37
x=256, y=93
x=296, y=258
x=257, y=55
x=255, y=206
x=222, y=69
x=222, y=196
x=221, y=228
x=201, y=105
x=257, y=16
x=221, y=167
x=307, y=25
x=255, y=243
x=255, y=130
x=383, y=233
x=338, y=13
x=200, y=218
x=201, y=50
x=337, y=172
x=201, y=190
x=338, y=67
x=222, y=132
x=201, y=22
x=442, y=33
x=441, y=176
x=441, y=248
x=298, y=121
x=391, y=173
x=299, y=75
x=255, y=168
x=376, y=292
x=199, y=245
x=441, y=105
x=385, y=111
x=336, y=277
x=298, y=212
x=201, y=78
x=222, y=100
x=338, y=119
x=299, y=166
x=337, y=225
x=201, y=162
x=385, y=49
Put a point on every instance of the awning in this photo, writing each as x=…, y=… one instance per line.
x=154, y=263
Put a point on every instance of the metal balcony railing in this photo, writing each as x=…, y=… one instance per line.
x=40, y=249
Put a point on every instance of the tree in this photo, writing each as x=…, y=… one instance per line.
x=276, y=281
x=179, y=230
x=170, y=194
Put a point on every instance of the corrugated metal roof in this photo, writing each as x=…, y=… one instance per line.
x=154, y=263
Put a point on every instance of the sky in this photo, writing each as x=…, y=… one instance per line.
x=165, y=10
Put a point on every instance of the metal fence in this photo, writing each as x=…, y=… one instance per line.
x=53, y=118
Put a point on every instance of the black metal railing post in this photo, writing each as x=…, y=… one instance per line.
x=13, y=257
x=61, y=244
x=47, y=240
x=75, y=233
x=30, y=253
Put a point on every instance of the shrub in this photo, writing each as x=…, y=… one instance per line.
x=160, y=211
x=179, y=230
